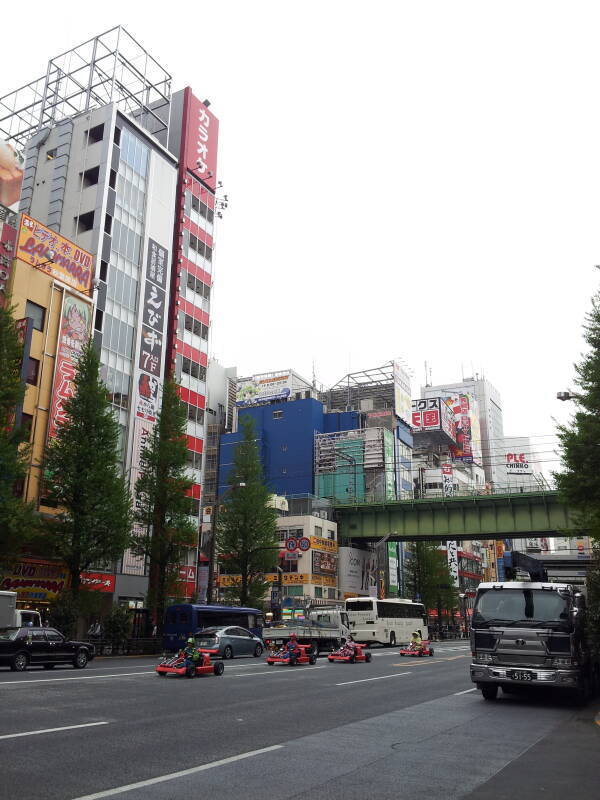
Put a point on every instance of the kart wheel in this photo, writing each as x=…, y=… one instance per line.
x=162, y=674
x=258, y=651
x=431, y=651
x=228, y=652
x=219, y=668
x=420, y=654
x=312, y=659
x=402, y=655
x=352, y=659
x=292, y=661
x=368, y=658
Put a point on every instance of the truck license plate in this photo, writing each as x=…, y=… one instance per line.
x=521, y=675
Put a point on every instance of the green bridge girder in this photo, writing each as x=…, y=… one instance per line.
x=500, y=516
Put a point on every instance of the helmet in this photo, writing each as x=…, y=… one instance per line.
x=293, y=636
x=191, y=640
x=415, y=633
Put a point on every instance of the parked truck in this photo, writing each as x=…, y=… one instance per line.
x=531, y=633
x=11, y=616
x=324, y=627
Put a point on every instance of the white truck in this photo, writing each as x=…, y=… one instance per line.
x=11, y=616
x=324, y=627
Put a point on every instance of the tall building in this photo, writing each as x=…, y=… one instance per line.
x=126, y=170
x=489, y=410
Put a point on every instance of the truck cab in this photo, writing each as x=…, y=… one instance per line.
x=529, y=633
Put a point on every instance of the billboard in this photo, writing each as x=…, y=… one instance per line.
x=447, y=480
x=452, y=552
x=426, y=414
x=74, y=331
x=357, y=571
x=324, y=563
x=468, y=434
x=8, y=239
x=201, y=140
x=392, y=548
x=263, y=389
x=154, y=313
x=517, y=464
x=98, y=581
x=402, y=401
x=36, y=580
x=48, y=251
x=11, y=174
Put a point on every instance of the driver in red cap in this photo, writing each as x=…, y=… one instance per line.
x=292, y=649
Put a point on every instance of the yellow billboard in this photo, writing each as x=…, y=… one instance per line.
x=48, y=251
x=327, y=545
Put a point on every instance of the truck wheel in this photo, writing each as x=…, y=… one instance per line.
x=489, y=691
x=392, y=639
x=19, y=662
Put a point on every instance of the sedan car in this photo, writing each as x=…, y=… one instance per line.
x=230, y=641
x=46, y=647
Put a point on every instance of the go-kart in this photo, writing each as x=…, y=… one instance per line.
x=424, y=649
x=176, y=665
x=303, y=655
x=350, y=654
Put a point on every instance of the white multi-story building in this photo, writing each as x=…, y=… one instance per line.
x=489, y=406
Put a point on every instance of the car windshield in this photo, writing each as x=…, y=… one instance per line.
x=8, y=634
x=521, y=608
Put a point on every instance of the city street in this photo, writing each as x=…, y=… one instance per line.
x=394, y=728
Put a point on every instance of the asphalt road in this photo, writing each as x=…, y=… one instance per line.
x=394, y=728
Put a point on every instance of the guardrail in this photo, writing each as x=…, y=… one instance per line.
x=438, y=494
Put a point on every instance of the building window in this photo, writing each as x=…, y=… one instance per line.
x=90, y=177
x=37, y=314
x=319, y=531
x=331, y=535
x=197, y=286
x=196, y=414
x=278, y=415
x=84, y=222
x=193, y=369
x=98, y=320
x=194, y=459
x=95, y=134
x=318, y=591
x=195, y=326
x=27, y=424
x=33, y=368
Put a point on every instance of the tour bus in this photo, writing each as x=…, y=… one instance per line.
x=386, y=622
x=185, y=619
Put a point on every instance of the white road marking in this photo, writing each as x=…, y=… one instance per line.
x=466, y=691
x=52, y=730
x=273, y=672
x=174, y=775
x=380, y=678
x=79, y=678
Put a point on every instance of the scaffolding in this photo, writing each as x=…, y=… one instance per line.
x=110, y=68
x=366, y=390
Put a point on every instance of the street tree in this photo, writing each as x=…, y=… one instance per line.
x=163, y=509
x=17, y=519
x=579, y=480
x=246, y=536
x=84, y=479
x=428, y=578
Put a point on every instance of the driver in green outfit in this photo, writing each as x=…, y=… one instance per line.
x=191, y=655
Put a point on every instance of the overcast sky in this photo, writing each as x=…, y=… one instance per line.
x=404, y=179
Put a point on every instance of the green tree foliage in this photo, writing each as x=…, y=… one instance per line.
x=163, y=509
x=17, y=519
x=246, y=530
x=428, y=577
x=117, y=626
x=84, y=477
x=579, y=482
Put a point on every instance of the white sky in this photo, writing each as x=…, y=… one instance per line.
x=404, y=179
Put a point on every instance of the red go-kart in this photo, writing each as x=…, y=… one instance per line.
x=350, y=654
x=424, y=649
x=302, y=655
x=203, y=666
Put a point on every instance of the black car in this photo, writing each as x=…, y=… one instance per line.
x=23, y=647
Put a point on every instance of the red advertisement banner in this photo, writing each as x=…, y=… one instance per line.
x=201, y=141
x=97, y=581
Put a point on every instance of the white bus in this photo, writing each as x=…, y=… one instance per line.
x=387, y=622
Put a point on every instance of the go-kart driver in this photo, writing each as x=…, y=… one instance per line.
x=291, y=648
x=416, y=641
x=191, y=654
x=348, y=645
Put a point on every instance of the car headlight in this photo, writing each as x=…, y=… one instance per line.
x=563, y=662
x=483, y=658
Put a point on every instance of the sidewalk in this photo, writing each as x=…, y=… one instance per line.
x=565, y=764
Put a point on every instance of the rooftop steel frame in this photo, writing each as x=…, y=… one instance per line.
x=110, y=68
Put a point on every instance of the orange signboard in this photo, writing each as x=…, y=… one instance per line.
x=50, y=252
x=328, y=545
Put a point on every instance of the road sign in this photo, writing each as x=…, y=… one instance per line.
x=304, y=543
x=291, y=544
x=274, y=595
x=292, y=556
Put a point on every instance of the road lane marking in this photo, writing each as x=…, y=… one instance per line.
x=79, y=678
x=52, y=730
x=380, y=678
x=466, y=691
x=271, y=672
x=425, y=661
x=174, y=775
